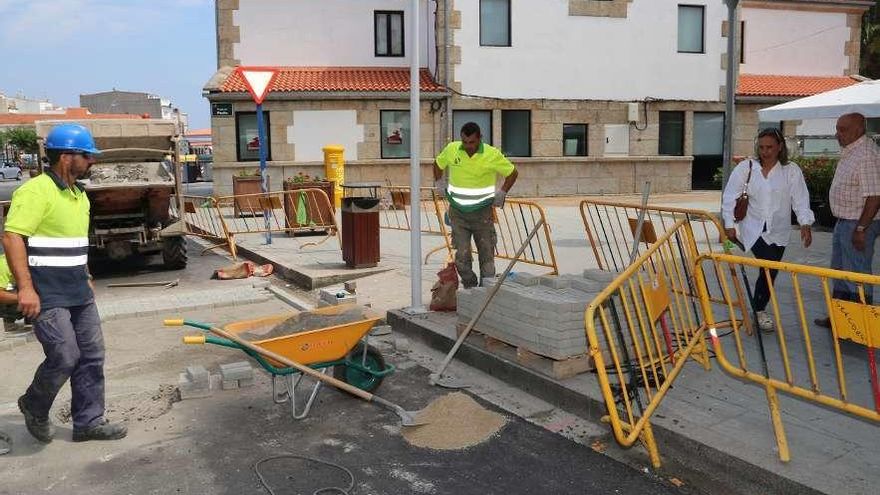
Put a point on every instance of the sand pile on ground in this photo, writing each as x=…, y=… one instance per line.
x=453, y=422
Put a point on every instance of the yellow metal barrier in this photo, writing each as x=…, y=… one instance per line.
x=395, y=213
x=302, y=211
x=641, y=331
x=201, y=218
x=513, y=224
x=799, y=358
x=611, y=226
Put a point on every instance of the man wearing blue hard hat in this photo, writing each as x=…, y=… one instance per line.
x=47, y=243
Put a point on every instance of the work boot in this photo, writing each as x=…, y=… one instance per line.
x=41, y=428
x=104, y=430
x=823, y=322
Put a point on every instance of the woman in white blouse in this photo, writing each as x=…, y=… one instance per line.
x=776, y=187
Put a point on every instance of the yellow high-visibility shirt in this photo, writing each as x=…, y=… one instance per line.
x=472, y=178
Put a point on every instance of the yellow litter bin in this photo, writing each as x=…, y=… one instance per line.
x=334, y=169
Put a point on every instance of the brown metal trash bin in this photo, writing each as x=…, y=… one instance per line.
x=360, y=225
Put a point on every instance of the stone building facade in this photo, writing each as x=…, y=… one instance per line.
x=575, y=122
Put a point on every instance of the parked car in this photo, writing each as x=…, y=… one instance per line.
x=10, y=170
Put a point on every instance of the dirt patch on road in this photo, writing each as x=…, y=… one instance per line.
x=136, y=407
x=454, y=422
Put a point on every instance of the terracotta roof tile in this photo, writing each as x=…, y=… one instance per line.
x=199, y=132
x=790, y=86
x=338, y=79
x=73, y=113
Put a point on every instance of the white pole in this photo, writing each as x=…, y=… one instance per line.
x=415, y=142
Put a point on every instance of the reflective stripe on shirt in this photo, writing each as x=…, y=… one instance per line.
x=60, y=261
x=57, y=251
x=58, y=242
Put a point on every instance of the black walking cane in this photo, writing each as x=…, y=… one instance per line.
x=758, y=331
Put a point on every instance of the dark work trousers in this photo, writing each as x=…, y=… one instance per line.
x=771, y=252
x=481, y=225
x=74, y=348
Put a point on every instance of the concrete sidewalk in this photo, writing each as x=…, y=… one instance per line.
x=710, y=427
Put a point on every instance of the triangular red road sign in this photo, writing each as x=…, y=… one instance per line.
x=258, y=81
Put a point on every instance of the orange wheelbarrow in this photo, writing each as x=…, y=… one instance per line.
x=334, y=337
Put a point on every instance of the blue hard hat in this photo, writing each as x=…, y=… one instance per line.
x=71, y=137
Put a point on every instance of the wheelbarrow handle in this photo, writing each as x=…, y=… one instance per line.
x=180, y=322
x=194, y=339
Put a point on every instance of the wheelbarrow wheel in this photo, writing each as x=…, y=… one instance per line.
x=362, y=379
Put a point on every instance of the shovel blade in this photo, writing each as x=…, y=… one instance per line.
x=447, y=382
x=408, y=418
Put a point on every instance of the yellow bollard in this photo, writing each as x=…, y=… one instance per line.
x=334, y=169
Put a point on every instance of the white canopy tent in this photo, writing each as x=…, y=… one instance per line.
x=863, y=98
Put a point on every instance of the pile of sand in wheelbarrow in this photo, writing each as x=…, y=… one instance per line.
x=454, y=422
x=304, y=322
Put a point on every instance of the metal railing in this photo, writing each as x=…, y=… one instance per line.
x=611, y=231
x=202, y=219
x=512, y=225
x=835, y=368
x=297, y=212
x=395, y=213
x=641, y=330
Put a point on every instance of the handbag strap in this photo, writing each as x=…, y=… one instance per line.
x=749, y=177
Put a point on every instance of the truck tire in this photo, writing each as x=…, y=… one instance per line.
x=174, y=252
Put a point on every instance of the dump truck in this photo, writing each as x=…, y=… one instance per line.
x=132, y=189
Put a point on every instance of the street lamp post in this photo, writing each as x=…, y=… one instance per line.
x=415, y=144
x=730, y=91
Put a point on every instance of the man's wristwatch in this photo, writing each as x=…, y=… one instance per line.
x=861, y=228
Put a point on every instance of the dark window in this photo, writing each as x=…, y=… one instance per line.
x=394, y=126
x=482, y=118
x=389, y=33
x=494, y=22
x=671, y=133
x=690, y=28
x=742, y=42
x=516, y=132
x=247, y=136
x=574, y=140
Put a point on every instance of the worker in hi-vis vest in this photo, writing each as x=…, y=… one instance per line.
x=470, y=188
x=46, y=240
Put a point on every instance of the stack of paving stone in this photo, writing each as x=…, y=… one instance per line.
x=196, y=382
x=335, y=296
x=541, y=314
x=235, y=375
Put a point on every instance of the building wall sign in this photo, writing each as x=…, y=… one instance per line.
x=221, y=109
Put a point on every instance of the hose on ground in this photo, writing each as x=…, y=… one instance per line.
x=319, y=491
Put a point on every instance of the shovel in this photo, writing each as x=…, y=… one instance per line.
x=438, y=378
x=408, y=418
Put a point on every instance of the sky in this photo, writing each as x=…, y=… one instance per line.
x=59, y=49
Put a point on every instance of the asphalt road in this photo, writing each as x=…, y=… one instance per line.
x=9, y=185
x=235, y=433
